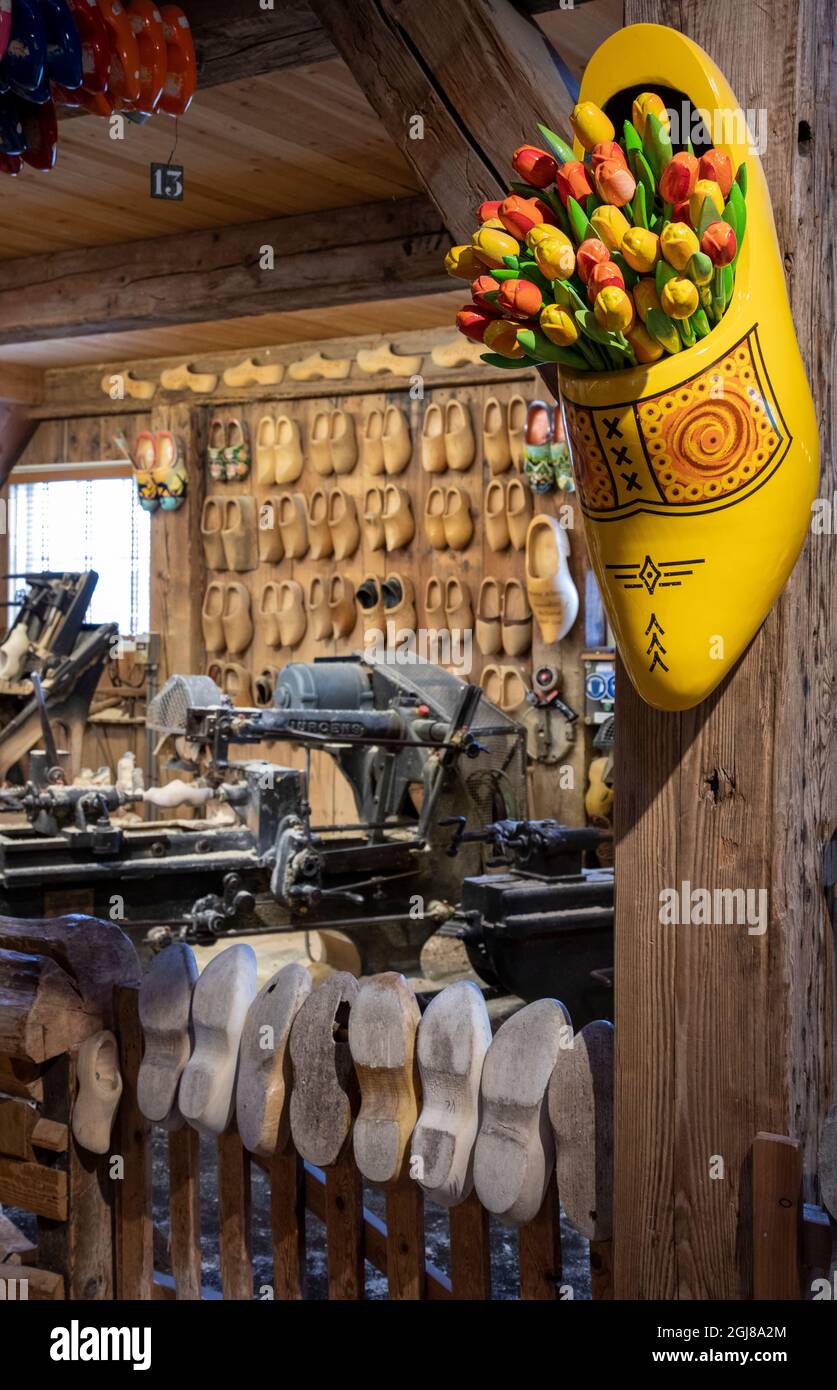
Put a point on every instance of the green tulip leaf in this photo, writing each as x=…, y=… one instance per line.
x=513, y=263
x=589, y=324
x=708, y=214
x=700, y=324
x=495, y=360
x=690, y=149
x=567, y=295
x=737, y=201
x=686, y=332
x=741, y=177
x=642, y=172
x=542, y=350
x=661, y=327
x=559, y=147
x=503, y=273
x=656, y=145
x=663, y=272
x=629, y=275
x=581, y=226
x=591, y=203
x=719, y=300
x=630, y=137
x=639, y=206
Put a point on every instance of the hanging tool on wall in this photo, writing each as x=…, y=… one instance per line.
x=549, y=719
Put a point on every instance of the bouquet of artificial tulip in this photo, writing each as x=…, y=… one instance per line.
x=606, y=263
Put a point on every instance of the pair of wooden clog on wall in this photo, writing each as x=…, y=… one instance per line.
x=229, y=533
x=435, y=1098
x=504, y=618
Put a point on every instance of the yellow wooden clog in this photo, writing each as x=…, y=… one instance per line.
x=695, y=473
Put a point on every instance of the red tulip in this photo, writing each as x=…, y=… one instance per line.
x=486, y=211
x=572, y=182
x=680, y=213
x=615, y=184
x=717, y=166
x=519, y=215
x=604, y=274
x=520, y=299
x=473, y=321
x=608, y=149
x=679, y=178
x=719, y=243
x=534, y=166
x=483, y=285
x=590, y=254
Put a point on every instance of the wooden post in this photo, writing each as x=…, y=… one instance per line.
x=178, y=571
x=720, y=1034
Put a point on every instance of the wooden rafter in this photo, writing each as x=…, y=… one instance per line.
x=376, y=251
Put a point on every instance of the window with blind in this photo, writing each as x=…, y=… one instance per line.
x=82, y=526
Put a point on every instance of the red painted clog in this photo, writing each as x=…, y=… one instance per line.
x=182, y=75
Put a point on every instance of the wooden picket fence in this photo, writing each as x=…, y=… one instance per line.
x=353, y=1234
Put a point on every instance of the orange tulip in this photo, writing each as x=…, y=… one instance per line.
x=520, y=299
x=601, y=275
x=717, y=167
x=486, y=211
x=519, y=215
x=534, y=166
x=615, y=184
x=679, y=178
x=608, y=149
x=501, y=336
x=590, y=253
x=719, y=243
x=483, y=285
x=572, y=182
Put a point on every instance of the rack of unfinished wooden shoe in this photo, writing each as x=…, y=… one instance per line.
x=60, y=1090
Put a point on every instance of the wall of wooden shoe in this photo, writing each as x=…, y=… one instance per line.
x=367, y=519
x=368, y=493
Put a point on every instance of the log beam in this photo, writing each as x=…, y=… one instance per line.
x=479, y=76
x=376, y=251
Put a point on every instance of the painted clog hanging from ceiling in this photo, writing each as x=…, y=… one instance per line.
x=654, y=280
x=23, y=67
x=95, y=53
x=181, y=79
x=149, y=32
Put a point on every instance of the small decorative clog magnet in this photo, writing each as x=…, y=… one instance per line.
x=147, y=24
x=124, y=70
x=64, y=52
x=182, y=70
x=25, y=58
x=696, y=472
x=5, y=24
x=40, y=129
x=169, y=473
x=95, y=54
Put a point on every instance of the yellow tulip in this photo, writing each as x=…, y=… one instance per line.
x=492, y=245
x=641, y=249
x=646, y=348
x=679, y=298
x=558, y=325
x=613, y=309
x=501, y=337
x=590, y=124
x=646, y=297
x=553, y=250
x=648, y=104
x=611, y=226
x=705, y=188
x=464, y=263
x=678, y=244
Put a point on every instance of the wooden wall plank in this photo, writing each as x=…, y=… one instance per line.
x=720, y=1033
x=34, y=1187
x=777, y=1216
x=135, y=1254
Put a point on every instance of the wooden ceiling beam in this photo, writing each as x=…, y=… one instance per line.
x=237, y=38
x=479, y=75
x=346, y=256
